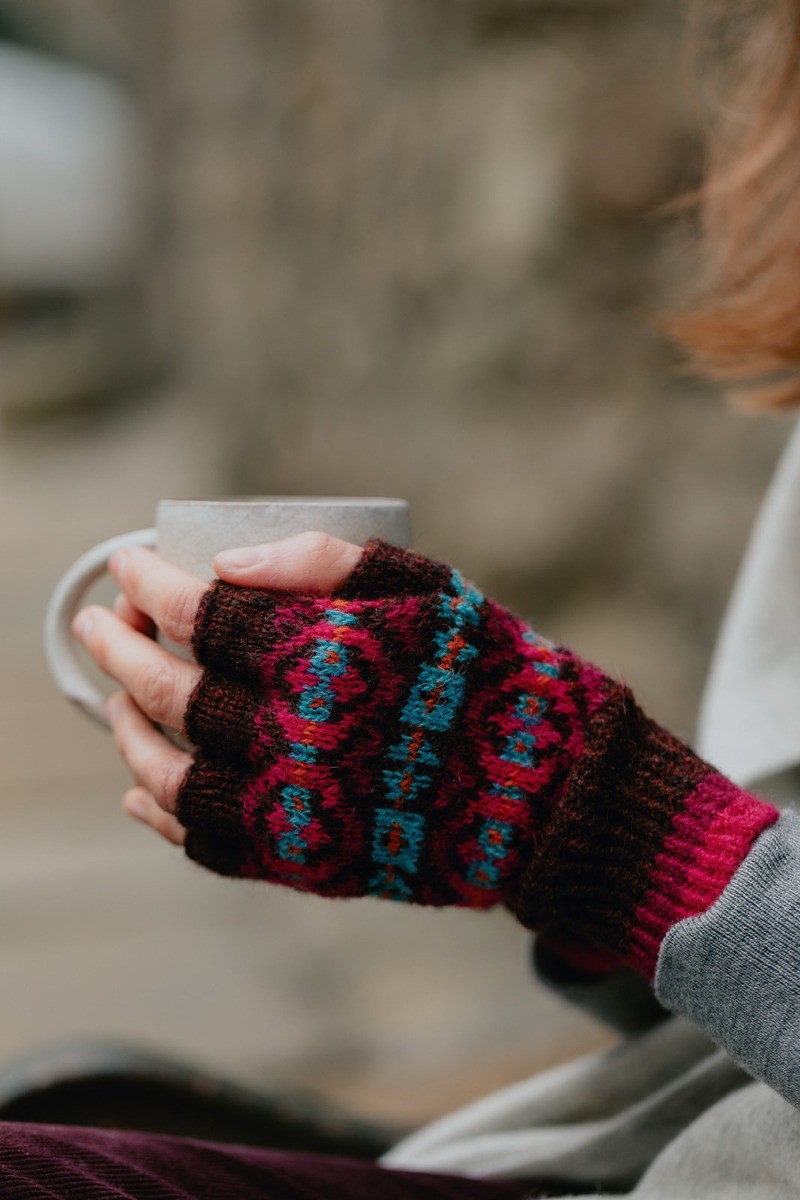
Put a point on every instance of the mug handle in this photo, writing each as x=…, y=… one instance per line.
x=64, y=603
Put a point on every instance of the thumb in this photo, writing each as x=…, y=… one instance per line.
x=307, y=562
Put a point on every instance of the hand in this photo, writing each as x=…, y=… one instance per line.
x=158, y=685
x=370, y=724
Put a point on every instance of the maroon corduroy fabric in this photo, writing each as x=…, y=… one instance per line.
x=51, y=1162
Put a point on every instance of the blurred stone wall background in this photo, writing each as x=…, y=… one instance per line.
x=409, y=247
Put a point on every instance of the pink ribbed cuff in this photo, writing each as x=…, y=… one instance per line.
x=710, y=838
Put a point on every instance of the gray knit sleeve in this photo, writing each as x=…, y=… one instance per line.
x=735, y=970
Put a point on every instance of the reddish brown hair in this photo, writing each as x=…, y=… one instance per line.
x=745, y=324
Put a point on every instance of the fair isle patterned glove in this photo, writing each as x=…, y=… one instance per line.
x=409, y=739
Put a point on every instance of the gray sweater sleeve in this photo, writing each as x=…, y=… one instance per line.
x=735, y=970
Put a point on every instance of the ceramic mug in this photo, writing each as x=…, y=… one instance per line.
x=189, y=533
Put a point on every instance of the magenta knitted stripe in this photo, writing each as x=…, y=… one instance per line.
x=523, y=741
x=517, y=763
x=710, y=838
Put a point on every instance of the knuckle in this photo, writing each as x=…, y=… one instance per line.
x=155, y=691
x=168, y=777
x=180, y=614
x=319, y=545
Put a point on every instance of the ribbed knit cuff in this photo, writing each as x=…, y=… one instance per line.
x=709, y=839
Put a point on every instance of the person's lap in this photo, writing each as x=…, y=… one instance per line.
x=57, y=1162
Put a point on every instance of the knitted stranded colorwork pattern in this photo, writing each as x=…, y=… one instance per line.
x=410, y=739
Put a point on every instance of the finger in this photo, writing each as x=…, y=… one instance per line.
x=158, y=765
x=133, y=617
x=140, y=804
x=311, y=562
x=167, y=594
x=159, y=683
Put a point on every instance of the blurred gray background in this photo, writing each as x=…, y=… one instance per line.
x=392, y=247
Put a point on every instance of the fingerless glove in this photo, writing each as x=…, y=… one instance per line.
x=410, y=739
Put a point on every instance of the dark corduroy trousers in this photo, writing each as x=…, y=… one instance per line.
x=56, y=1161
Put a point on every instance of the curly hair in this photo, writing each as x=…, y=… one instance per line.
x=744, y=324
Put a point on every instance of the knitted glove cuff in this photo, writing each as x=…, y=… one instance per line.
x=645, y=834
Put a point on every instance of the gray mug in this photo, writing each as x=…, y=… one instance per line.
x=189, y=533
